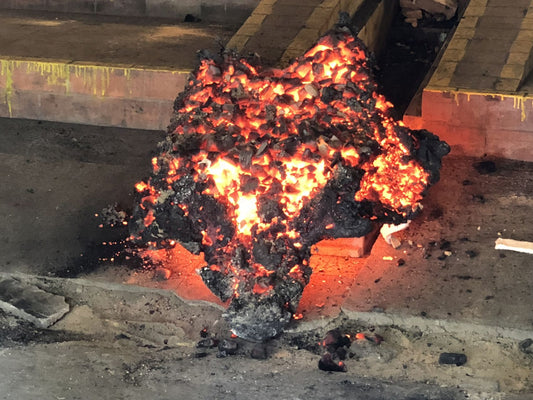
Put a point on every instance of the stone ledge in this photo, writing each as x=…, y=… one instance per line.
x=28, y=302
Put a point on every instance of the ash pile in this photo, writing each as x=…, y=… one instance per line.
x=259, y=165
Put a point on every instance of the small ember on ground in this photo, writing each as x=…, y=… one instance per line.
x=260, y=165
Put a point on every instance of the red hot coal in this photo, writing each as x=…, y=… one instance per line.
x=259, y=165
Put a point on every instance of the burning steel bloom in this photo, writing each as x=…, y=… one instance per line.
x=259, y=166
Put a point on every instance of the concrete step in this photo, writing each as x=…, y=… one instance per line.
x=97, y=70
x=479, y=98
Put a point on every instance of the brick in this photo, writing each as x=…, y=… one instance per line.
x=264, y=7
x=513, y=71
x=453, y=55
x=508, y=85
x=474, y=11
x=238, y=42
x=28, y=302
x=443, y=74
x=305, y=38
x=457, y=44
x=318, y=19
x=528, y=20
x=255, y=19
x=517, y=58
x=346, y=247
x=248, y=29
x=477, y=3
x=291, y=54
x=469, y=22
x=330, y=4
x=525, y=35
x=464, y=33
x=521, y=46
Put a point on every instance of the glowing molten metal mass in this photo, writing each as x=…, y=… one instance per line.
x=260, y=165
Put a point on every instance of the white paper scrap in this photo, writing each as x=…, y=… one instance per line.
x=514, y=245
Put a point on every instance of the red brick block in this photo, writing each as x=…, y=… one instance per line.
x=346, y=247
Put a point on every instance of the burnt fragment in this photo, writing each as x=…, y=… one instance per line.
x=526, y=346
x=334, y=339
x=478, y=198
x=452, y=358
x=485, y=167
x=259, y=352
x=327, y=363
x=227, y=347
x=207, y=343
x=471, y=253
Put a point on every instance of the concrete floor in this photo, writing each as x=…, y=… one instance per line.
x=59, y=176
x=55, y=179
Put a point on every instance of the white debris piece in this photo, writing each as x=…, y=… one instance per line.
x=514, y=245
x=387, y=231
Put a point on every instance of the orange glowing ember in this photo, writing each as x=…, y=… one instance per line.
x=260, y=165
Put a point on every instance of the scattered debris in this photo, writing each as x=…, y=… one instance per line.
x=227, y=347
x=191, y=18
x=207, y=343
x=485, y=167
x=327, y=363
x=336, y=345
x=113, y=215
x=514, y=245
x=452, y=358
x=525, y=346
x=162, y=274
x=373, y=338
x=478, y=198
x=335, y=339
x=471, y=253
x=259, y=352
x=415, y=10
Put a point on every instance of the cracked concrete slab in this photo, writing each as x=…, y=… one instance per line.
x=28, y=302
